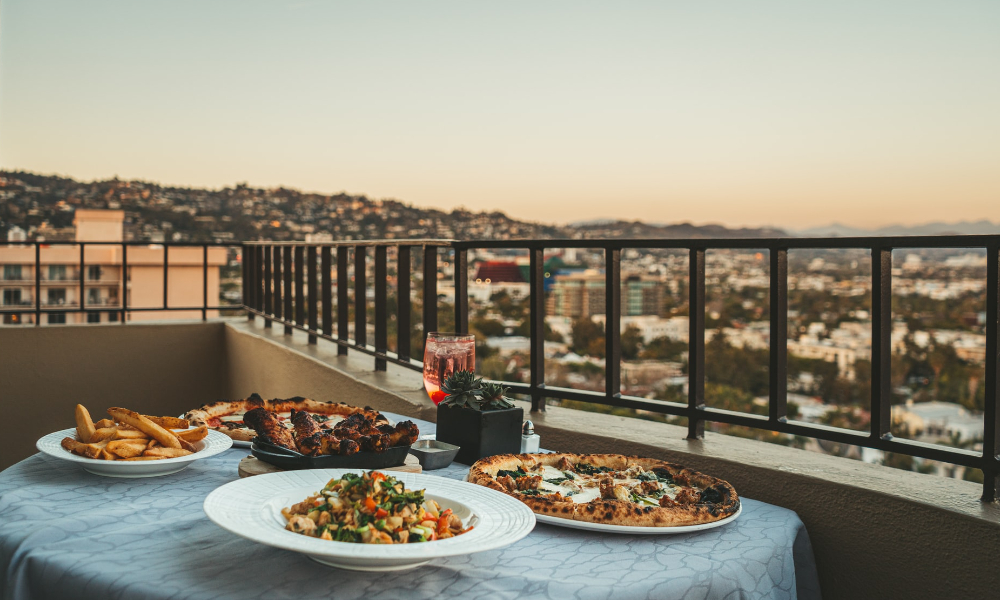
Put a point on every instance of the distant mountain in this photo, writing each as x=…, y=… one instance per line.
x=638, y=229
x=981, y=227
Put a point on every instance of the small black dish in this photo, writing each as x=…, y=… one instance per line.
x=290, y=460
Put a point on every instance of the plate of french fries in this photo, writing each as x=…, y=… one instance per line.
x=131, y=444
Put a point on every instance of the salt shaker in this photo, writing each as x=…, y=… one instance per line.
x=529, y=439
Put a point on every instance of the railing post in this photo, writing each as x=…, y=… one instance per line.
x=278, y=298
x=83, y=307
x=461, y=290
x=696, y=342
x=881, y=400
x=204, y=282
x=342, y=302
x=245, y=253
x=326, y=295
x=612, y=322
x=166, y=284
x=38, y=284
x=991, y=417
x=268, y=294
x=403, y=303
x=300, y=294
x=311, y=292
x=124, y=282
x=430, y=291
x=289, y=293
x=381, y=318
x=536, y=314
x=778, y=371
x=360, y=299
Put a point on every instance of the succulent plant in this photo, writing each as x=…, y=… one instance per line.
x=462, y=388
x=465, y=390
x=492, y=397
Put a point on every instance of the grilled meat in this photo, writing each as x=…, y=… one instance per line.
x=324, y=443
x=404, y=433
x=269, y=428
x=304, y=426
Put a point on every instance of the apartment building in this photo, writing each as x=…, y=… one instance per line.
x=60, y=280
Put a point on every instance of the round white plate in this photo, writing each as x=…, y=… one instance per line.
x=631, y=529
x=213, y=444
x=251, y=508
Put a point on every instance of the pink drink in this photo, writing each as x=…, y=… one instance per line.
x=444, y=354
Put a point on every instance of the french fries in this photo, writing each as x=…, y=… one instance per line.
x=166, y=452
x=192, y=435
x=169, y=422
x=151, y=429
x=84, y=425
x=131, y=436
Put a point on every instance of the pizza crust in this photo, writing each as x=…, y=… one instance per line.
x=724, y=500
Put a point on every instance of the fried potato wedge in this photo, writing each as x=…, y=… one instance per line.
x=104, y=423
x=193, y=435
x=126, y=448
x=166, y=452
x=88, y=450
x=84, y=424
x=105, y=455
x=130, y=434
x=104, y=433
x=153, y=444
x=169, y=422
x=130, y=417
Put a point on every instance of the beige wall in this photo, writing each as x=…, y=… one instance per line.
x=45, y=371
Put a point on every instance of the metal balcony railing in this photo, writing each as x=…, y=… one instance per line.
x=279, y=277
x=82, y=281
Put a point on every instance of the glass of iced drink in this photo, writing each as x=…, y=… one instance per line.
x=444, y=354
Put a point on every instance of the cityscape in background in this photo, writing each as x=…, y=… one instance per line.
x=938, y=306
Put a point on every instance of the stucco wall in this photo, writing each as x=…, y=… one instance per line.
x=157, y=368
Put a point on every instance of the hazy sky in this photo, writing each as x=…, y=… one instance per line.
x=789, y=113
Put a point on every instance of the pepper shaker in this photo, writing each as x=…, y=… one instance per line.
x=530, y=440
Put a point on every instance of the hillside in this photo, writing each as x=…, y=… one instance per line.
x=43, y=206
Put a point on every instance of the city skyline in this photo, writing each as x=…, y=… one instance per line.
x=778, y=115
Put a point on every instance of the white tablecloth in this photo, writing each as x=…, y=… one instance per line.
x=65, y=533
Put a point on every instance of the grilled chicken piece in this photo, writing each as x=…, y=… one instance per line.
x=324, y=443
x=269, y=428
x=304, y=426
x=404, y=433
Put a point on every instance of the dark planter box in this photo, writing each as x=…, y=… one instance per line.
x=480, y=433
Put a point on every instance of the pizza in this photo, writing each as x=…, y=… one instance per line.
x=609, y=488
x=226, y=416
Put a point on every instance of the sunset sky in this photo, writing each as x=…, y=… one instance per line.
x=784, y=113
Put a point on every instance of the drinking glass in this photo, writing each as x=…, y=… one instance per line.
x=444, y=354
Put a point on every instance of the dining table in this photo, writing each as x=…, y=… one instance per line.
x=67, y=533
